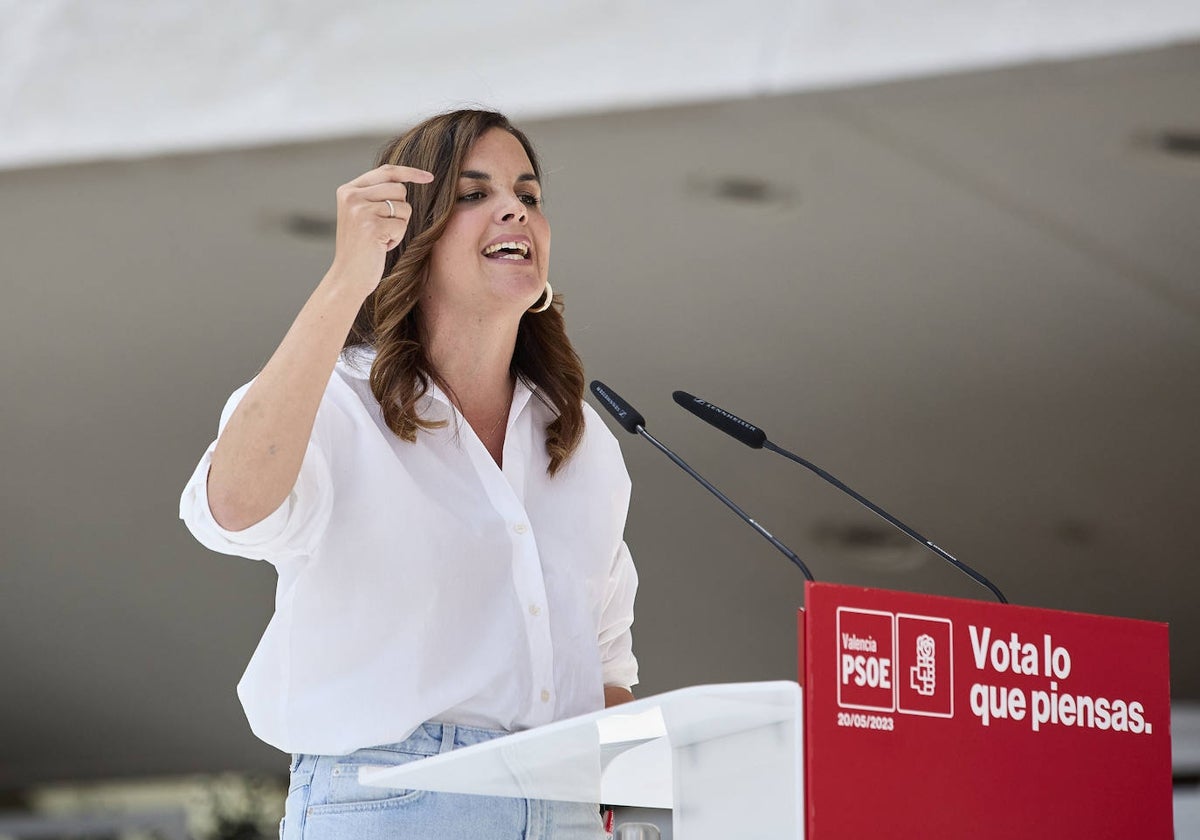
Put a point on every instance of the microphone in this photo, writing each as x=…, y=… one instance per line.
x=756, y=438
x=633, y=422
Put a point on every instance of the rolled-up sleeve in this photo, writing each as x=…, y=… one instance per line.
x=619, y=666
x=292, y=529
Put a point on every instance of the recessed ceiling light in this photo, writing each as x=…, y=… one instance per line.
x=1178, y=148
x=742, y=190
x=1074, y=532
x=310, y=226
x=1185, y=144
x=869, y=544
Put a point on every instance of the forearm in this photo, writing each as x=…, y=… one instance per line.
x=259, y=453
x=615, y=695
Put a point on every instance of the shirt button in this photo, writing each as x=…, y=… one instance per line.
x=534, y=609
x=520, y=528
x=545, y=696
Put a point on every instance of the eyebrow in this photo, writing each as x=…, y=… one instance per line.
x=476, y=175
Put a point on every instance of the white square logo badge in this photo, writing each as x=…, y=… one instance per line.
x=924, y=666
x=865, y=658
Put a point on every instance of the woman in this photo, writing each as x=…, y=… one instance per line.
x=443, y=510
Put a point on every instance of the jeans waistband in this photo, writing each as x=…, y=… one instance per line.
x=429, y=738
x=434, y=737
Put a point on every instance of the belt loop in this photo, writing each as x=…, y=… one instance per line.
x=447, y=737
x=303, y=768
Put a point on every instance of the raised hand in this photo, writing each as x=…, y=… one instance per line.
x=372, y=216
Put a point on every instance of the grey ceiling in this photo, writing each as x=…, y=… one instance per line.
x=976, y=300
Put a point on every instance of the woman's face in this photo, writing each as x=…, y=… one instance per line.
x=498, y=201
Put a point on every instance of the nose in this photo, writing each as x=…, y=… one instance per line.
x=513, y=209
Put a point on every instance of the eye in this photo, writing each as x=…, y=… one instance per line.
x=474, y=195
x=531, y=199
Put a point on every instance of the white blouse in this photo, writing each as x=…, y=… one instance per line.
x=420, y=581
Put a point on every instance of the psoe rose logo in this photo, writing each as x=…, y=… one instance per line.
x=923, y=675
x=926, y=661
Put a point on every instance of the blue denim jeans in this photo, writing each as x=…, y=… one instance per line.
x=326, y=802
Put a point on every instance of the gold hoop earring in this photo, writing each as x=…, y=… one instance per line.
x=549, y=300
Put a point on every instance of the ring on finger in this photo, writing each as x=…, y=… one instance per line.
x=391, y=208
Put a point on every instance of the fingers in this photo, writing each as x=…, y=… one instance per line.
x=391, y=209
x=393, y=190
x=391, y=173
x=373, y=215
x=382, y=191
x=388, y=201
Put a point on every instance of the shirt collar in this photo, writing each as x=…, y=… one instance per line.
x=522, y=391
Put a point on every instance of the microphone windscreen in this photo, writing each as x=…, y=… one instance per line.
x=623, y=412
x=730, y=424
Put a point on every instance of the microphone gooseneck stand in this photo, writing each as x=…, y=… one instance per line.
x=756, y=438
x=633, y=422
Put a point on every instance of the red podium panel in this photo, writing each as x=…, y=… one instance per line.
x=930, y=717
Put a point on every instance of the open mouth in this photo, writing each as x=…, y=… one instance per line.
x=518, y=251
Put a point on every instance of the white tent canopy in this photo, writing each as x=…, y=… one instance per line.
x=98, y=80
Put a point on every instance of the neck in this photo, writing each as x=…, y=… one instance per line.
x=473, y=354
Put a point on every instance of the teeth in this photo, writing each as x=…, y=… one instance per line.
x=516, y=246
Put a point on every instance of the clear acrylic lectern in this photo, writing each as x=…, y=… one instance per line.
x=727, y=759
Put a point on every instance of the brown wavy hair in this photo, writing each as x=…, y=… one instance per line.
x=390, y=318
